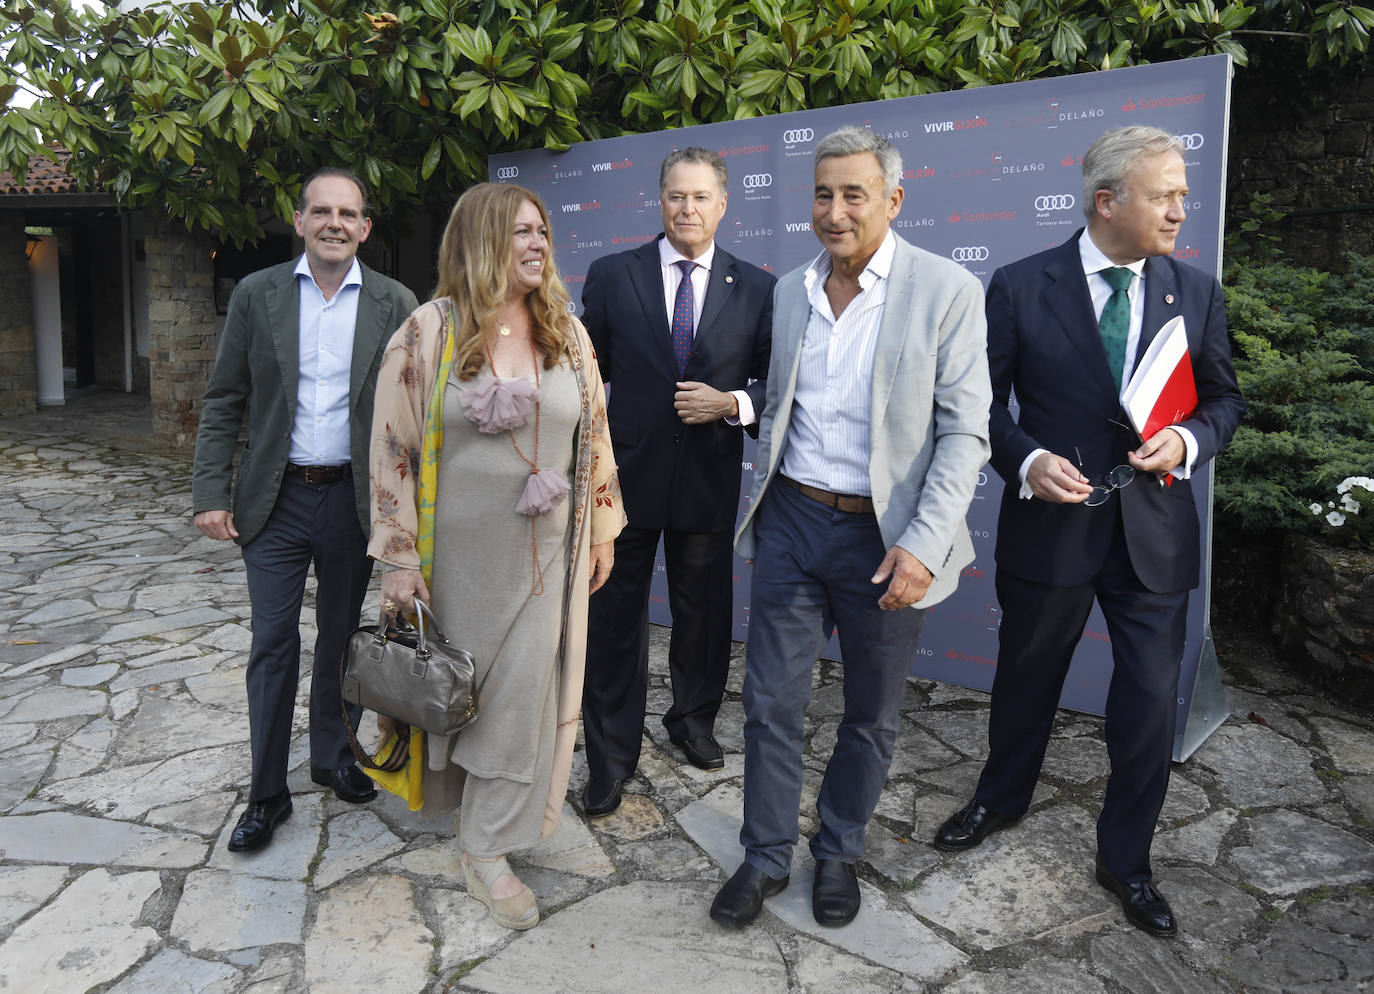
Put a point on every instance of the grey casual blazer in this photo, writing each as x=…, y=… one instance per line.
x=255, y=377
x=928, y=433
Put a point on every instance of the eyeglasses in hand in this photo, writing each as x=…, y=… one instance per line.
x=1120, y=476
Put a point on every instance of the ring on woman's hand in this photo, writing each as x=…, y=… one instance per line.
x=388, y=604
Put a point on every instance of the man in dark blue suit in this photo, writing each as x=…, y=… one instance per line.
x=682, y=332
x=1065, y=329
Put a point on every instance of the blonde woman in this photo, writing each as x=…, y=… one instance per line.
x=495, y=500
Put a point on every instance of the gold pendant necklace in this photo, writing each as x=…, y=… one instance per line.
x=504, y=330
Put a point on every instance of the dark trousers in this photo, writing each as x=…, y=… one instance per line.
x=1041, y=627
x=310, y=522
x=700, y=568
x=812, y=571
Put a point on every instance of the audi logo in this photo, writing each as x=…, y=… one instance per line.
x=1061, y=202
x=1190, y=143
x=798, y=135
x=755, y=181
x=970, y=253
x=508, y=172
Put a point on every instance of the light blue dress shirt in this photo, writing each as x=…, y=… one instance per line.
x=320, y=436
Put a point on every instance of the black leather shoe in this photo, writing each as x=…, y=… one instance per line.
x=835, y=893
x=969, y=826
x=703, y=751
x=1145, y=907
x=349, y=784
x=741, y=899
x=258, y=821
x=601, y=796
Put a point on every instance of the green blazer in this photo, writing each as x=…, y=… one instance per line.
x=255, y=378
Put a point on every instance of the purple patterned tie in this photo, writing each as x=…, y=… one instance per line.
x=683, y=307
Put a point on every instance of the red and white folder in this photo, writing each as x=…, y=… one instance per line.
x=1161, y=391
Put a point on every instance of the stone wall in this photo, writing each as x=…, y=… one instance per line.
x=18, y=375
x=1325, y=617
x=181, y=326
x=1308, y=144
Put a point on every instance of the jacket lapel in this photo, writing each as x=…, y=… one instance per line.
x=1162, y=302
x=719, y=283
x=646, y=276
x=1069, y=304
x=369, y=337
x=892, y=332
x=284, y=318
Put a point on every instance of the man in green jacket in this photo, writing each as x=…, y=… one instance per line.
x=297, y=361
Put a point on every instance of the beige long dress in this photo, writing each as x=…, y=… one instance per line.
x=510, y=769
x=485, y=587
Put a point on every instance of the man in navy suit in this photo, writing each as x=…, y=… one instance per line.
x=682, y=332
x=1065, y=329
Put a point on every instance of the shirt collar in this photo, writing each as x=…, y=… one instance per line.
x=667, y=255
x=354, y=277
x=1095, y=260
x=878, y=268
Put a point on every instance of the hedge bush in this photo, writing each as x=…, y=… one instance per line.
x=1304, y=353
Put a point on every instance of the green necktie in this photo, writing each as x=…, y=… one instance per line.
x=1115, y=322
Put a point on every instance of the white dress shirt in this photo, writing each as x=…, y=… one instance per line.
x=320, y=435
x=1094, y=261
x=828, y=433
x=668, y=257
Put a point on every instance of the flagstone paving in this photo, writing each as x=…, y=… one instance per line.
x=125, y=733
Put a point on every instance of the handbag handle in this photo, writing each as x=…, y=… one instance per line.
x=422, y=612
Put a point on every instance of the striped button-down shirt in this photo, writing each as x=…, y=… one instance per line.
x=320, y=435
x=828, y=434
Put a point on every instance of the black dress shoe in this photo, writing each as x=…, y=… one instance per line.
x=835, y=892
x=349, y=784
x=1145, y=907
x=256, y=824
x=969, y=826
x=601, y=796
x=703, y=751
x=740, y=900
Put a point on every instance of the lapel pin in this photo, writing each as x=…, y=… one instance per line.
x=1168, y=298
x=729, y=279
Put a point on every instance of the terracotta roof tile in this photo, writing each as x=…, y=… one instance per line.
x=45, y=176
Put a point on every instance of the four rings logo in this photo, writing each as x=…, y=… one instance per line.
x=798, y=135
x=1190, y=143
x=970, y=253
x=1061, y=202
x=755, y=181
x=508, y=172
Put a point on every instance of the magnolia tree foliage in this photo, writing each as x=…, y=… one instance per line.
x=215, y=111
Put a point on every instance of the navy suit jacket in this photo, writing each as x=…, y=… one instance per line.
x=1043, y=342
x=674, y=475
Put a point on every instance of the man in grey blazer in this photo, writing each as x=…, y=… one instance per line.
x=874, y=429
x=297, y=361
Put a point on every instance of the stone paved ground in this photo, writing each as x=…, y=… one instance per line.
x=122, y=719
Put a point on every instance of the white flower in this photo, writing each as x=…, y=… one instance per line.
x=1335, y=519
x=1316, y=509
x=1355, y=481
x=1350, y=505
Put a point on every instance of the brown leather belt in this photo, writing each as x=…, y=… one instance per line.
x=849, y=503
x=318, y=474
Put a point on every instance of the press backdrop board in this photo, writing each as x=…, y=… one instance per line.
x=991, y=174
